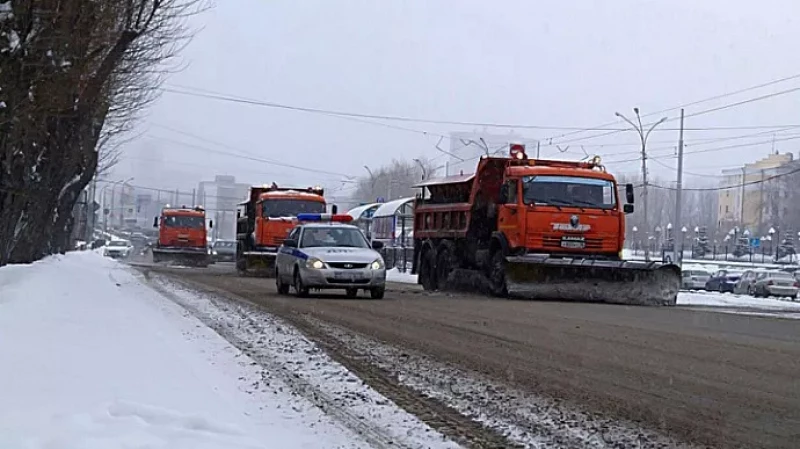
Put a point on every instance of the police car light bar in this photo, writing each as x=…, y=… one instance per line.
x=341, y=218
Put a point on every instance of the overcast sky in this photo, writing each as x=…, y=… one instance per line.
x=543, y=63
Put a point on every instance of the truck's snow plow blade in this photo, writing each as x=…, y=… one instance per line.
x=609, y=281
x=256, y=263
x=182, y=256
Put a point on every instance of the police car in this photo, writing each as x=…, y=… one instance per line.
x=324, y=252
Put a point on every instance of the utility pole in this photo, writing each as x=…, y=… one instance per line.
x=643, y=135
x=538, y=147
x=678, y=193
x=194, y=194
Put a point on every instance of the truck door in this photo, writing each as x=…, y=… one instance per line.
x=509, y=220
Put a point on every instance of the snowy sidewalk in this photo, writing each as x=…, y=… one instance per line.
x=94, y=358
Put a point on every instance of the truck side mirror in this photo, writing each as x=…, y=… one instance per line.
x=210, y=224
x=629, y=193
x=334, y=209
x=627, y=208
x=155, y=222
x=238, y=214
x=503, y=194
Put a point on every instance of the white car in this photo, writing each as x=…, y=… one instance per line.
x=323, y=254
x=694, y=279
x=118, y=249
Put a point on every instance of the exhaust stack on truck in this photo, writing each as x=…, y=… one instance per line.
x=543, y=228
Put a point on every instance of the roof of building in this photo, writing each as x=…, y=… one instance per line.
x=357, y=212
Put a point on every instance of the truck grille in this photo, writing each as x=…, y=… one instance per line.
x=347, y=265
x=554, y=241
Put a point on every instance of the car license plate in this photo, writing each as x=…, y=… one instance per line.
x=572, y=242
x=344, y=275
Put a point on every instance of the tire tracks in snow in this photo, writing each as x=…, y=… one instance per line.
x=440, y=417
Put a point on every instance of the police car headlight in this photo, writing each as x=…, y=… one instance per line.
x=214, y=253
x=377, y=265
x=315, y=263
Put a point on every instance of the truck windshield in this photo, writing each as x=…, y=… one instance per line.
x=178, y=221
x=290, y=208
x=569, y=191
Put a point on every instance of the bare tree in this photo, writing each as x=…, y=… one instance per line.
x=75, y=74
x=393, y=181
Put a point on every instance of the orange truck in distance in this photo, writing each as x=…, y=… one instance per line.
x=182, y=236
x=265, y=220
x=541, y=228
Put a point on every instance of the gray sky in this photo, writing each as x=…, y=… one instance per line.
x=546, y=63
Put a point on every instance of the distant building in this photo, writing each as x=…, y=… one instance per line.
x=747, y=193
x=220, y=197
x=467, y=147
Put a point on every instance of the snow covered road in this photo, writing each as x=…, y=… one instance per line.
x=95, y=358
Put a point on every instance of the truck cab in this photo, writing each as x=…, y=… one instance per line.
x=182, y=235
x=265, y=220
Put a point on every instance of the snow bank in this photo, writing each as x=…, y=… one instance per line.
x=394, y=275
x=93, y=358
x=713, y=299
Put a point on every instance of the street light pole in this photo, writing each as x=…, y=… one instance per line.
x=643, y=135
x=422, y=167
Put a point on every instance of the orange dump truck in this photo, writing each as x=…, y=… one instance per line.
x=182, y=236
x=541, y=228
x=264, y=221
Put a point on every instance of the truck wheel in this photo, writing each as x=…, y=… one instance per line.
x=300, y=290
x=283, y=288
x=444, y=265
x=351, y=292
x=377, y=292
x=497, y=275
x=427, y=275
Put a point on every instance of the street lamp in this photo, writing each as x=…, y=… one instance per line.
x=422, y=167
x=771, y=234
x=103, y=193
x=643, y=135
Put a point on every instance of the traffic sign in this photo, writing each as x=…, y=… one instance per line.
x=755, y=242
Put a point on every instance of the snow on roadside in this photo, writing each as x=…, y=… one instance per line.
x=714, y=299
x=93, y=358
x=289, y=356
x=394, y=275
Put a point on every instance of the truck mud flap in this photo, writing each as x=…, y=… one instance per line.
x=608, y=281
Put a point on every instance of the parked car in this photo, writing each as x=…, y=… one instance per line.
x=694, y=279
x=223, y=251
x=775, y=283
x=745, y=284
x=118, y=249
x=723, y=281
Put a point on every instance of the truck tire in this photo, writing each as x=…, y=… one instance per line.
x=497, y=275
x=445, y=263
x=427, y=269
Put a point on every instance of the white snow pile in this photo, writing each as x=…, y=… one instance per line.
x=394, y=275
x=94, y=358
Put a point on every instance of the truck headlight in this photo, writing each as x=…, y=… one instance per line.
x=315, y=263
x=377, y=264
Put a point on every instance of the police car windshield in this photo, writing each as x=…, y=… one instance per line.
x=333, y=237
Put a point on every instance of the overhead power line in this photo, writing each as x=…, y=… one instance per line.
x=686, y=105
x=734, y=186
x=330, y=112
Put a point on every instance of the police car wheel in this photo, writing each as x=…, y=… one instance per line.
x=377, y=292
x=283, y=288
x=300, y=289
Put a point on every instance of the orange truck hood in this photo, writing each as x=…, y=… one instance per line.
x=546, y=225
